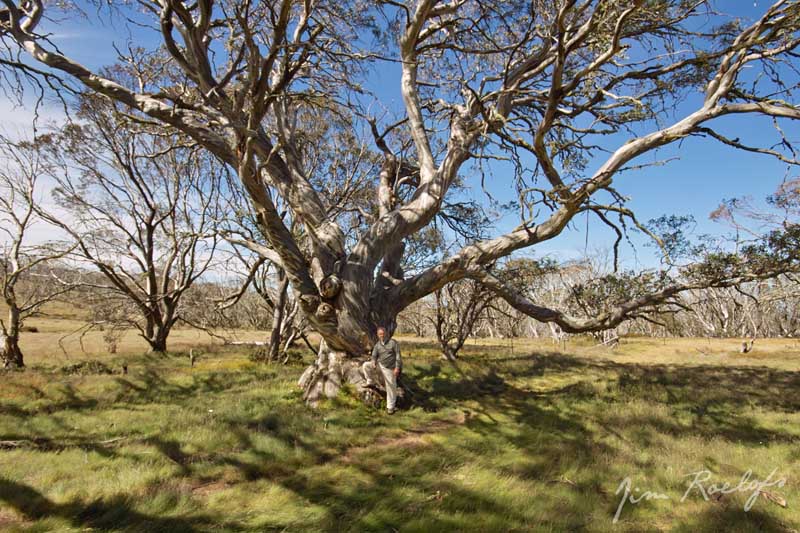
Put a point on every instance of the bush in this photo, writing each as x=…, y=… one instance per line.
x=260, y=354
x=86, y=368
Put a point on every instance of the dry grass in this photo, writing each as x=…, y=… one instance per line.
x=59, y=341
x=62, y=338
x=678, y=351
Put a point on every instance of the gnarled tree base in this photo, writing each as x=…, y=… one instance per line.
x=11, y=360
x=10, y=354
x=334, y=370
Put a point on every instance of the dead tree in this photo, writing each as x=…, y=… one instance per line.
x=29, y=277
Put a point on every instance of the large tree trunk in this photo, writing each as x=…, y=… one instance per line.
x=346, y=317
x=157, y=339
x=352, y=313
x=157, y=345
x=448, y=352
x=11, y=354
x=331, y=370
x=158, y=327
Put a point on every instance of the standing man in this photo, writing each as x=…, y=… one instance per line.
x=386, y=357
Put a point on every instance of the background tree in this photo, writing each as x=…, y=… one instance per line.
x=142, y=209
x=459, y=307
x=756, y=308
x=548, y=85
x=271, y=286
x=416, y=319
x=29, y=277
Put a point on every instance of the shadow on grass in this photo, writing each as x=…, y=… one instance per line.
x=715, y=399
x=113, y=514
x=151, y=387
x=728, y=517
x=147, y=387
x=396, y=475
x=379, y=488
x=730, y=384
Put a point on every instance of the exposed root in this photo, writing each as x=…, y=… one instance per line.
x=333, y=371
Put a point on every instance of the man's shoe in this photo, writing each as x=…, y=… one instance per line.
x=391, y=411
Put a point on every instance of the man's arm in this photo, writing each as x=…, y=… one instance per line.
x=375, y=354
x=398, y=362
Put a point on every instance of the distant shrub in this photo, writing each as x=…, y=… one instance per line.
x=260, y=354
x=86, y=368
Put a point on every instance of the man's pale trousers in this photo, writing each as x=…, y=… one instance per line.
x=388, y=379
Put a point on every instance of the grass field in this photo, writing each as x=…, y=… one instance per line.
x=525, y=436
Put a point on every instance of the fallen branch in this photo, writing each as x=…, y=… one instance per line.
x=112, y=441
x=564, y=479
x=48, y=444
x=774, y=498
x=614, y=340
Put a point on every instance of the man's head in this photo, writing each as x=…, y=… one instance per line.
x=381, y=333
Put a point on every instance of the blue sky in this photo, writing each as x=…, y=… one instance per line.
x=705, y=173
